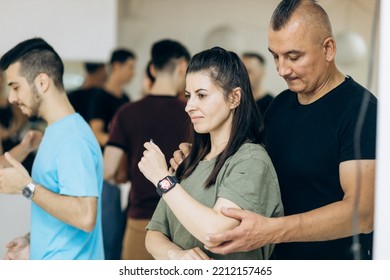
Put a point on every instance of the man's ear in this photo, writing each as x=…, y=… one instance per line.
x=235, y=98
x=182, y=66
x=115, y=66
x=329, y=46
x=42, y=82
x=152, y=70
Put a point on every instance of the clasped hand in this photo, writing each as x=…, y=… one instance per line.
x=153, y=164
x=14, y=178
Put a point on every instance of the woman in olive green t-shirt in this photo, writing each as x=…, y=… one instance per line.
x=227, y=165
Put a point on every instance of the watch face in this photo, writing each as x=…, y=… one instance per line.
x=165, y=184
x=27, y=192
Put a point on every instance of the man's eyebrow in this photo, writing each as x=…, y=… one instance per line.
x=294, y=52
x=287, y=53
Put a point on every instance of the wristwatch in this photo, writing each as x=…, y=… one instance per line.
x=166, y=184
x=28, y=191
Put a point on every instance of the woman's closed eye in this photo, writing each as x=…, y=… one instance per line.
x=201, y=95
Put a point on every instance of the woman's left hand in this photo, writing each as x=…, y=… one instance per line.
x=153, y=164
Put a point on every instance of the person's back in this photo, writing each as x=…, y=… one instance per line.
x=81, y=98
x=159, y=116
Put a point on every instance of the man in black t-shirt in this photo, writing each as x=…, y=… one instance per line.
x=81, y=98
x=323, y=155
x=105, y=103
x=112, y=95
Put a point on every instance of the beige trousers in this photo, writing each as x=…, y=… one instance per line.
x=134, y=240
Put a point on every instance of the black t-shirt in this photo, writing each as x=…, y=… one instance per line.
x=104, y=106
x=263, y=103
x=81, y=100
x=307, y=143
x=6, y=118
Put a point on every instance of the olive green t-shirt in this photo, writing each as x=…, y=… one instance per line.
x=247, y=178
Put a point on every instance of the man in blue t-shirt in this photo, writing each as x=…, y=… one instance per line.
x=67, y=173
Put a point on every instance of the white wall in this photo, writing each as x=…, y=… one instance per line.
x=142, y=22
x=14, y=218
x=76, y=29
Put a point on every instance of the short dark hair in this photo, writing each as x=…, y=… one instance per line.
x=228, y=72
x=164, y=53
x=283, y=12
x=35, y=56
x=314, y=15
x=121, y=55
x=258, y=56
x=92, y=67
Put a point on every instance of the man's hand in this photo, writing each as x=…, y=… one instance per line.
x=179, y=155
x=18, y=249
x=252, y=233
x=14, y=178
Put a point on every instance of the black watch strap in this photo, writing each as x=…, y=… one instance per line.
x=166, y=184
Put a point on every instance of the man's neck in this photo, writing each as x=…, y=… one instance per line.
x=163, y=87
x=114, y=87
x=258, y=93
x=89, y=83
x=333, y=81
x=56, y=107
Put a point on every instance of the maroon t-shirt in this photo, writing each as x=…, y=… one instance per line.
x=161, y=118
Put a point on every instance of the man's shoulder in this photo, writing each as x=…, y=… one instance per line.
x=284, y=95
x=282, y=99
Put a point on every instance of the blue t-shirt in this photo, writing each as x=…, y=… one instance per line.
x=69, y=162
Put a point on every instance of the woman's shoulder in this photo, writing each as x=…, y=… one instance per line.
x=251, y=151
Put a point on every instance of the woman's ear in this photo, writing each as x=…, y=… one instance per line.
x=235, y=98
